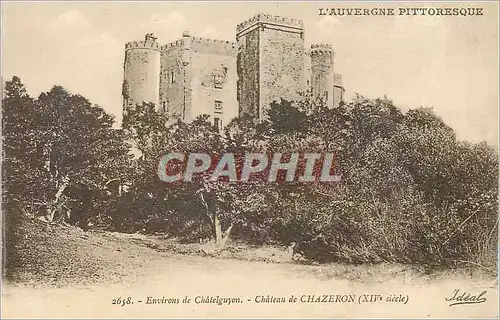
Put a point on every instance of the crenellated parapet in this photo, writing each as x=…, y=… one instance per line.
x=270, y=21
x=172, y=45
x=223, y=47
x=204, y=45
x=321, y=48
x=142, y=45
x=261, y=17
x=148, y=43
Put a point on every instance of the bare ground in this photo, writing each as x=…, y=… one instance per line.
x=62, y=271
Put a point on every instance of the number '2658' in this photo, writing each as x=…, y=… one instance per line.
x=122, y=301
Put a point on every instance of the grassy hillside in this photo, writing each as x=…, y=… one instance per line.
x=60, y=255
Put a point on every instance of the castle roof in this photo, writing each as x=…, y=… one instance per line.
x=262, y=18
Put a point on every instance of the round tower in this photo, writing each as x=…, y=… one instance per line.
x=322, y=73
x=141, y=72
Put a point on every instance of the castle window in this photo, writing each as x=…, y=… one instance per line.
x=218, y=107
x=218, y=124
x=164, y=107
x=217, y=82
x=172, y=77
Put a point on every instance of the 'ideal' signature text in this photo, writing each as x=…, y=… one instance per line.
x=462, y=297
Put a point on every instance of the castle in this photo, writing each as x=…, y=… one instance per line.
x=225, y=79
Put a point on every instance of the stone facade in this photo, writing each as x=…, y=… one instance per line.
x=225, y=79
x=248, y=74
x=198, y=76
x=271, y=51
x=338, y=90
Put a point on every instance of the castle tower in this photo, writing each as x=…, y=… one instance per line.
x=198, y=76
x=141, y=72
x=338, y=90
x=322, y=78
x=270, y=62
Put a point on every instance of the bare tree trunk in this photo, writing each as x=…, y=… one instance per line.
x=207, y=211
x=225, y=237
x=220, y=238
x=217, y=228
x=53, y=206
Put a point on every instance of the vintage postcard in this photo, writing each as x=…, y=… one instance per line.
x=249, y=159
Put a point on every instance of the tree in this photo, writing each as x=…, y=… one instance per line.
x=80, y=147
x=20, y=140
x=142, y=125
x=198, y=136
x=56, y=142
x=286, y=118
x=19, y=178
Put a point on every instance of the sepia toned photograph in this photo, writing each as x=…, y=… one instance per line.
x=216, y=159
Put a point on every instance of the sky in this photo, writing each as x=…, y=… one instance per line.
x=447, y=63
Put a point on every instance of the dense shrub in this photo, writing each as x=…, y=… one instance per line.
x=410, y=191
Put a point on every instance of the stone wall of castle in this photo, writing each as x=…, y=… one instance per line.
x=224, y=79
x=271, y=62
x=307, y=70
x=338, y=90
x=282, y=69
x=214, y=79
x=199, y=77
x=172, y=81
x=248, y=86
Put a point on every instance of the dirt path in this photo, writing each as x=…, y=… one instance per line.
x=140, y=272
